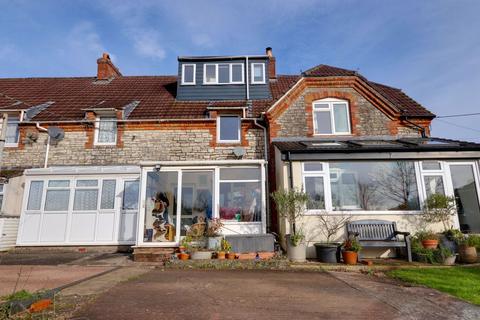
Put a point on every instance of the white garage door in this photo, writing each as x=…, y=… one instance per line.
x=79, y=210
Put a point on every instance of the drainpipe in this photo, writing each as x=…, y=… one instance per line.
x=48, y=143
x=290, y=169
x=2, y=137
x=267, y=190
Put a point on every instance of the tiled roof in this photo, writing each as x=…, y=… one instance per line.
x=397, y=97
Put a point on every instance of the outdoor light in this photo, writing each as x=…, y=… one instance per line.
x=157, y=167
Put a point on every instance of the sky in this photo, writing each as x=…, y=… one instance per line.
x=429, y=49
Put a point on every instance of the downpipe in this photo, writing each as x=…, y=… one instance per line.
x=37, y=125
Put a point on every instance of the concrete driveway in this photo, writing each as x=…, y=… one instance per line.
x=197, y=294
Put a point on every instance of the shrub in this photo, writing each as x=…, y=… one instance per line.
x=439, y=208
x=426, y=235
x=421, y=254
x=454, y=235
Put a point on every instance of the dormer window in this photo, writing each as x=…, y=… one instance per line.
x=331, y=116
x=13, y=132
x=258, y=73
x=106, y=131
x=223, y=73
x=188, y=74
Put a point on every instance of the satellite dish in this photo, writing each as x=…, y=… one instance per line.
x=56, y=133
x=239, y=151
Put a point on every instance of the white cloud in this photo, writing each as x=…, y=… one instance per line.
x=83, y=36
x=147, y=43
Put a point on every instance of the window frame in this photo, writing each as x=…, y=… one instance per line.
x=239, y=140
x=253, y=73
x=325, y=174
x=17, y=124
x=217, y=75
x=2, y=194
x=243, y=73
x=185, y=83
x=330, y=102
x=98, y=119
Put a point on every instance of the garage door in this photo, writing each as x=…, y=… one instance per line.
x=79, y=210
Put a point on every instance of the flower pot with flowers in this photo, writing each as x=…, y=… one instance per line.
x=351, y=247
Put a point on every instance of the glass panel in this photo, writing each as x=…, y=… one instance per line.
x=161, y=206
x=312, y=166
x=241, y=201
x=59, y=183
x=258, y=72
x=87, y=183
x=12, y=132
x=1, y=187
x=210, y=73
x=431, y=165
x=85, y=199
x=323, y=123
x=341, y=117
x=315, y=189
x=107, y=130
x=108, y=194
x=57, y=200
x=35, y=195
x=465, y=192
x=374, y=185
x=237, y=73
x=434, y=185
x=1, y=201
x=321, y=105
x=223, y=73
x=240, y=174
x=229, y=128
x=188, y=74
x=130, y=195
x=197, y=202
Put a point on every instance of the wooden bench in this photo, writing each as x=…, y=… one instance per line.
x=379, y=234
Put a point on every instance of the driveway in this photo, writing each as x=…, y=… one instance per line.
x=197, y=294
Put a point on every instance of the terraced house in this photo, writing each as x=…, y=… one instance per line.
x=141, y=160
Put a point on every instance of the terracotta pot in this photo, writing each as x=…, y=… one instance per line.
x=230, y=255
x=183, y=256
x=221, y=255
x=350, y=257
x=430, y=244
x=467, y=254
x=181, y=249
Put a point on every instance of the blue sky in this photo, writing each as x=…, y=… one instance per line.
x=430, y=49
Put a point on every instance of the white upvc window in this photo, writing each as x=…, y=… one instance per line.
x=258, y=73
x=433, y=178
x=223, y=73
x=315, y=180
x=331, y=117
x=106, y=131
x=2, y=192
x=228, y=129
x=188, y=74
x=12, y=133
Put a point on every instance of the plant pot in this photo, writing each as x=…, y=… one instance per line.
x=430, y=244
x=230, y=255
x=221, y=255
x=449, y=261
x=467, y=254
x=183, y=256
x=181, y=249
x=447, y=243
x=214, y=242
x=296, y=253
x=327, y=252
x=350, y=257
x=201, y=255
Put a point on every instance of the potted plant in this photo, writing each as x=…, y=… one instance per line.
x=329, y=251
x=451, y=238
x=439, y=208
x=213, y=233
x=467, y=248
x=448, y=256
x=429, y=239
x=351, y=247
x=226, y=247
x=291, y=205
x=184, y=246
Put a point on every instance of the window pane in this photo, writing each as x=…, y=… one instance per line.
x=241, y=201
x=316, y=194
x=321, y=105
x=210, y=73
x=12, y=133
x=229, y=128
x=223, y=73
x=258, y=72
x=323, y=123
x=431, y=165
x=57, y=200
x=1, y=201
x=1, y=188
x=341, y=117
x=237, y=72
x=108, y=194
x=107, y=130
x=130, y=195
x=240, y=174
x=433, y=185
x=374, y=185
x=312, y=166
x=87, y=183
x=160, y=206
x=59, y=183
x=188, y=75
x=35, y=195
x=85, y=199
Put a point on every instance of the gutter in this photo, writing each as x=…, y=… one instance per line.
x=37, y=125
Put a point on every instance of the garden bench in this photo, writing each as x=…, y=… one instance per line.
x=379, y=234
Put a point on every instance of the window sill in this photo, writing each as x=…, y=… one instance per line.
x=361, y=212
x=188, y=84
x=222, y=84
x=105, y=144
x=332, y=134
x=10, y=145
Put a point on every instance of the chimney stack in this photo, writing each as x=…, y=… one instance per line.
x=106, y=69
x=272, y=74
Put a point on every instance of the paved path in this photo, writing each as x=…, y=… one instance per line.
x=197, y=294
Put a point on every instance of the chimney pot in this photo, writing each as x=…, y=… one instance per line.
x=272, y=73
x=268, y=50
x=106, y=69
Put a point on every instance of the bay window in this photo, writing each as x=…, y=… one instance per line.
x=331, y=116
